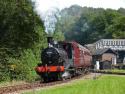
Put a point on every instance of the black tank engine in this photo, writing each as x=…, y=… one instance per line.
x=63, y=60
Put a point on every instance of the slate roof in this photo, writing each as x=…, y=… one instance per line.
x=101, y=51
x=95, y=51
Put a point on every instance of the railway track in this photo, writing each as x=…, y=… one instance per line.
x=15, y=88
x=28, y=86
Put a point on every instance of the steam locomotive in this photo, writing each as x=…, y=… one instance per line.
x=63, y=60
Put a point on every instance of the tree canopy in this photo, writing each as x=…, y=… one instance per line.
x=87, y=25
x=22, y=37
x=18, y=22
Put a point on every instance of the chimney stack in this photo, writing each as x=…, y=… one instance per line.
x=50, y=41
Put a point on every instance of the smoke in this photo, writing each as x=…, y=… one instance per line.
x=50, y=20
x=49, y=17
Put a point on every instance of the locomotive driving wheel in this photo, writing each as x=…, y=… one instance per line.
x=45, y=79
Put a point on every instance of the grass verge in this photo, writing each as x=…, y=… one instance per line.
x=103, y=85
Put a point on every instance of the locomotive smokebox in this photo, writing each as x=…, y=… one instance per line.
x=50, y=41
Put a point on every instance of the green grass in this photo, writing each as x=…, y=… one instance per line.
x=114, y=70
x=103, y=85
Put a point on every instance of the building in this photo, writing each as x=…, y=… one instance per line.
x=106, y=58
x=117, y=45
x=114, y=46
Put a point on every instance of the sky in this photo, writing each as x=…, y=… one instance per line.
x=43, y=5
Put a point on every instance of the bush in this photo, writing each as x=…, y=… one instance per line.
x=20, y=68
x=30, y=60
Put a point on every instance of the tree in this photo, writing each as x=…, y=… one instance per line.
x=87, y=25
x=117, y=29
x=121, y=10
x=18, y=22
x=21, y=38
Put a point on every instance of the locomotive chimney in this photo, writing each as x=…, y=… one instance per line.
x=50, y=41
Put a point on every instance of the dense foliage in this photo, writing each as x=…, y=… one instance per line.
x=22, y=37
x=87, y=25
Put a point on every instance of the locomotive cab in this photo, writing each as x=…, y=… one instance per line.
x=70, y=53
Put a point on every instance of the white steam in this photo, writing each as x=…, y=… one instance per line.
x=49, y=17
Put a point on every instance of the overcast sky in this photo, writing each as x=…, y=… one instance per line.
x=44, y=5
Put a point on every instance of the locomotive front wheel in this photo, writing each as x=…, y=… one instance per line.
x=45, y=79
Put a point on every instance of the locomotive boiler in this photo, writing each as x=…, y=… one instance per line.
x=63, y=60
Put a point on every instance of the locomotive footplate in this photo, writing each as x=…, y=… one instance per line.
x=43, y=69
